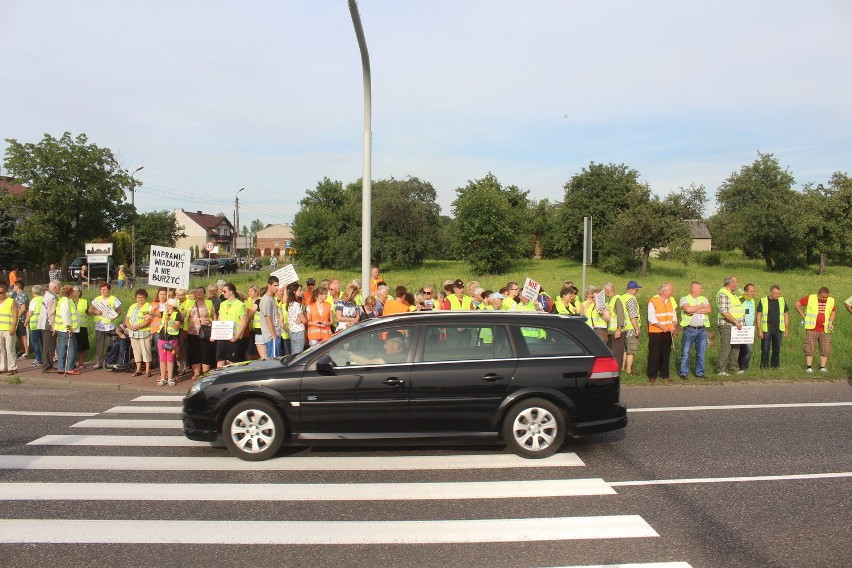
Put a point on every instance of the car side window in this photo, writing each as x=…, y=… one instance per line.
x=375, y=347
x=466, y=343
x=549, y=342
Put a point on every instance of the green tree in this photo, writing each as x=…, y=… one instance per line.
x=492, y=224
x=325, y=224
x=76, y=194
x=826, y=217
x=650, y=223
x=443, y=244
x=156, y=228
x=760, y=207
x=121, y=249
x=10, y=249
x=405, y=212
x=602, y=191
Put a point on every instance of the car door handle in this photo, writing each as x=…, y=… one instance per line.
x=491, y=377
x=394, y=382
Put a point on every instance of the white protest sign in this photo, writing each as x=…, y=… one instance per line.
x=169, y=267
x=286, y=275
x=744, y=336
x=105, y=309
x=600, y=301
x=531, y=289
x=222, y=330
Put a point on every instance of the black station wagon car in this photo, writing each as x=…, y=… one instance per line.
x=525, y=379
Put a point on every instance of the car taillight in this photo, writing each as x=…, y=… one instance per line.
x=605, y=368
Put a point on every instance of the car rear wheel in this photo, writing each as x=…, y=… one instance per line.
x=534, y=428
x=253, y=430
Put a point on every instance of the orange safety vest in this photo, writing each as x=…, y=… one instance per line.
x=665, y=313
x=315, y=332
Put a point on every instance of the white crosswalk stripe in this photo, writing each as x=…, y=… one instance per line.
x=143, y=410
x=125, y=423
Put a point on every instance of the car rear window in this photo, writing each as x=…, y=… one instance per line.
x=466, y=343
x=549, y=342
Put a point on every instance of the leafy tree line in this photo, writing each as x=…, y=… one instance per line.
x=77, y=194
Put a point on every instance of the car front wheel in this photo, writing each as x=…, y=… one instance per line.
x=253, y=430
x=534, y=428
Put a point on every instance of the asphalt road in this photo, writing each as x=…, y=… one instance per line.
x=725, y=486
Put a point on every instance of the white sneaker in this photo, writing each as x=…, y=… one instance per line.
x=740, y=372
x=722, y=374
x=823, y=370
x=809, y=370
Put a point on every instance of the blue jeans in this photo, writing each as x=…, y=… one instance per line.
x=66, y=351
x=771, y=340
x=35, y=344
x=693, y=336
x=745, y=355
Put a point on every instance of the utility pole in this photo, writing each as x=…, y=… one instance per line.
x=132, y=225
x=237, y=220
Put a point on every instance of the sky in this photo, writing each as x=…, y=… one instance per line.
x=212, y=96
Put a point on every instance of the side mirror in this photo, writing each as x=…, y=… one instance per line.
x=325, y=364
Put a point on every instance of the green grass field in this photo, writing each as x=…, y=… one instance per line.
x=551, y=274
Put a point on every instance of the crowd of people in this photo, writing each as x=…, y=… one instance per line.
x=177, y=330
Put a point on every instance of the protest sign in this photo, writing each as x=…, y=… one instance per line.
x=600, y=301
x=222, y=330
x=744, y=336
x=286, y=275
x=168, y=267
x=531, y=289
x=105, y=309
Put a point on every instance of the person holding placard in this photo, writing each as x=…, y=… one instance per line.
x=731, y=313
x=232, y=310
x=744, y=358
x=104, y=326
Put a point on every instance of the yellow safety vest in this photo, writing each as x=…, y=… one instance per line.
x=136, y=315
x=169, y=330
x=594, y=319
x=573, y=309
x=764, y=309
x=613, y=317
x=83, y=312
x=39, y=300
x=508, y=303
x=455, y=304
x=685, y=318
x=60, y=324
x=8, y=315
x=813, y=311
x=737, y=310
x=627, y=323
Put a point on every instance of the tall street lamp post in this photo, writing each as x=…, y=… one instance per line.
x=236, y=219
x=133, y=225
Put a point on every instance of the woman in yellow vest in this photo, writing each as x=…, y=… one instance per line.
x=231, y=310
x=199, y=316
x=32, y=324
x=596, y=320
x=567, y=302
x=138, y=325
x=167, y=338
x=66, y=324
x=8, y=325
x=83, y=315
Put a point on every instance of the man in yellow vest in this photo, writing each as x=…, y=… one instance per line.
x=772, y=322
x=618, y=322
x=662, y=328
x=458, y=299
x=731, y=314
x=819, y=314
x=8, y=324
x=695, y=321
x=634, y=331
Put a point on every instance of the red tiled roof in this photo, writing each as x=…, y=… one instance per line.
x=13, y=188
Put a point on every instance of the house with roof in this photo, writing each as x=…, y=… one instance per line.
x=274, y=240
x=202, y=228
x=700, y=234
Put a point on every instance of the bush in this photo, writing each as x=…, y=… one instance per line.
x=708, y=258
x=619, y=264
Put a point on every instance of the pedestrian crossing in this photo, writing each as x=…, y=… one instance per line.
x=142, y=424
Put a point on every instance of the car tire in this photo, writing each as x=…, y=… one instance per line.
x=253, y=430
x=534, y=428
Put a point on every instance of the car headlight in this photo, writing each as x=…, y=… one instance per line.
x=200, y=385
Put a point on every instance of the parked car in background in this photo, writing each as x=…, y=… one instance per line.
x=525, y=379
x=97, y=271
x=203, y=267
x=227, y=265
x=144, y=267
